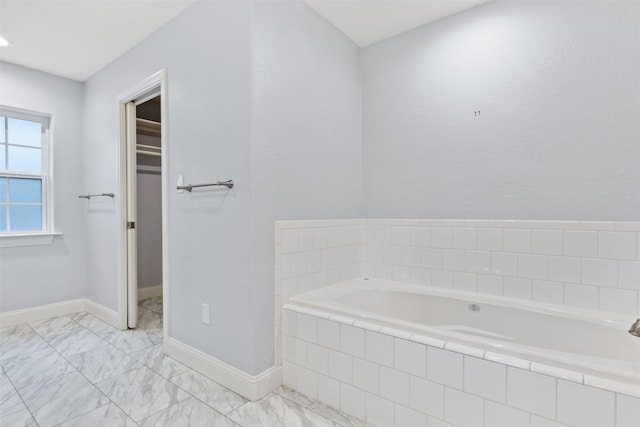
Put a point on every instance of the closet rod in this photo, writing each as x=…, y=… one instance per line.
x=149, y=153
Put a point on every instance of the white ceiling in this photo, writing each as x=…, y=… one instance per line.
x=76, y=38
x=369, y=21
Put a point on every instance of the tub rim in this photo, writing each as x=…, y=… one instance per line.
x=321, y=307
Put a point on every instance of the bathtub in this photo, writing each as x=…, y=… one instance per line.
x=583, y=346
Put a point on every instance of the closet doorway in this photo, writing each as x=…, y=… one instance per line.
x=148, y=216
x=143, y=207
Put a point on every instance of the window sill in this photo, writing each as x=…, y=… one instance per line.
x=26, y=239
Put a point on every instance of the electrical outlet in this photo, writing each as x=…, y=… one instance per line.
x=205, y=314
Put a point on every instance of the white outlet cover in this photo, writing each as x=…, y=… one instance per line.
x=205, y=314
x=180, y=183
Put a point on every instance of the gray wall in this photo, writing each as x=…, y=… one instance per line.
x=206, y=52
x=37, y=275
x=266, y=94
x=306, y=145
x=558, y=136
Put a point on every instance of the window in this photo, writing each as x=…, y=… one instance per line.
x=24, y=167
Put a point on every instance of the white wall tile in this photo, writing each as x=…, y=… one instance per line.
x=497, y=415
x=328, y=334
x=289, y=374
x=453, y=259
x=585, y=406
x=401, y=274
x=379, y=348
x=329, y=391
x=617, y=245
x=492, y=285
x=565, y=269
x=471, y=416
x=464, y=238
x=551, y=292
x=411, y=256
x=485, y=379
x=627, y=411
x=629, y=275
x=379, y=412
x=421, y=276
x=421, y=236
x=320, y=238
x=444, y=367
x=531, y=392
x=307, y=383
x=599, y=272
x=340, y=367
x=289, y=322
x=442, y=278
x=547, y=242
x=517, y=240
x=307, y=327
x=434, y=422
x=318, y=359
x=618, y=301
x=515, y=287
x=400, y=235
x=392, y=255
x=504, y=264
x=427, y=397
x=537, y=421
x=405, y=417
x=489, y=239
x=394, y=385
x=352, y=401
x=581, y=243
x=432, y=258
x=582, y=296
x=366, y=375
x=478, y=261
x=465, y=281
x=410, y=357
x=352, y=340
x=442, y=237
x=305, y=239
x=289, y=241
x=532, y=266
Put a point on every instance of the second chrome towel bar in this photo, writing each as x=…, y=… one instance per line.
x=228, y=184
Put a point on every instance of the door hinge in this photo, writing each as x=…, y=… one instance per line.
x=131, y=225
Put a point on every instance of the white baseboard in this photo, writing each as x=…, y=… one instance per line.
x=248, y=386
x=41, y=312
x=103, y=313
x=149, y=292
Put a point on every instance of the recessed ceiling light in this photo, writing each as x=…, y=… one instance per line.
x=3, y=41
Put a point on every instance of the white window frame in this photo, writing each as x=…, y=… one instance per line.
x=46, y=234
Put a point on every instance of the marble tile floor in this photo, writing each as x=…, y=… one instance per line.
x=76, y=370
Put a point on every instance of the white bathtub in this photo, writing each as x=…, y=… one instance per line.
x=581, y=343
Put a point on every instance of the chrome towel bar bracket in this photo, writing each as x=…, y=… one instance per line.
x=89, y=196
x=228, y=184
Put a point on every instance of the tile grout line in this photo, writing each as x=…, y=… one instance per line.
x=19, y=395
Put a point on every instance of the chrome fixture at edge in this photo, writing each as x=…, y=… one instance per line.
x=635, y=329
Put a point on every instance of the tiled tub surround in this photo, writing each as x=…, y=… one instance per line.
x=310, y=255
x=391, y=377
x=592, y=265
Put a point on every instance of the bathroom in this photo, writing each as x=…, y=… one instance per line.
x=493, y=151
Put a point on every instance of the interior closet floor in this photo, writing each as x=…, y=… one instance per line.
x=76, y=370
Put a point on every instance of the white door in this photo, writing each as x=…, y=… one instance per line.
x=132, y=236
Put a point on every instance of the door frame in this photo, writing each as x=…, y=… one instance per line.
x=156, y=81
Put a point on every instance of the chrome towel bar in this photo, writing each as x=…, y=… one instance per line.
x=89, y=196
x=228, y=184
